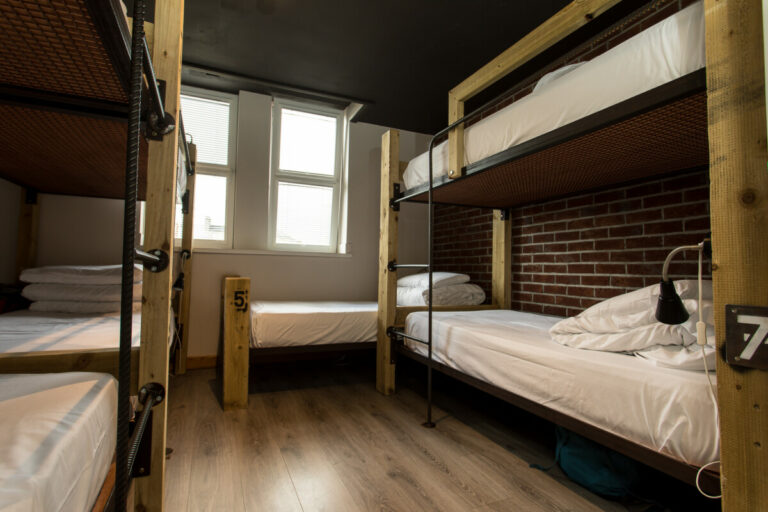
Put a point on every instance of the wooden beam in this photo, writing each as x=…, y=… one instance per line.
x=403, y=311
x=564, y=23
x=55, y=361
x=187, y=244
x=236, y=321
x=26, y=239
x=501, y=285
x=160, y=209
x=455, y=137
x=739, y=204
x=390, y=174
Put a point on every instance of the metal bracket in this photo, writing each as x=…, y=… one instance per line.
x=746, y=336
x=392, y=342
x=504, y=214
x=155, y=260
x=185, y=202
x=392, y=266
x=157, y=128
x=393, y=202
x=153, y=390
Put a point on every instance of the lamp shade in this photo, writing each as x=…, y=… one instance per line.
x=670, y=309
x=178, y=285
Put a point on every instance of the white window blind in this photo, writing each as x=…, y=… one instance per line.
x=207, y=120
x=305, y=177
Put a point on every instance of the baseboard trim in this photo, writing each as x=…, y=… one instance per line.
x=200, y=362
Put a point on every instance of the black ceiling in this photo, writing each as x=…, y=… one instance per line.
x=399, y=56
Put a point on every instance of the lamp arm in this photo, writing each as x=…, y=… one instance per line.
x=665, y=271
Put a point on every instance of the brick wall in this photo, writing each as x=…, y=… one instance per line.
x=570, y=253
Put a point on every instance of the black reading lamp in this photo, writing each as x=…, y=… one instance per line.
x=670, y=309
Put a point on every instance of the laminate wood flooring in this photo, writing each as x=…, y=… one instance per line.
x=319, y=438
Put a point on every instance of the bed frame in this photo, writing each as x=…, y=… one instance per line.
x=237, y=354
x=75, y=94
x=723, y=124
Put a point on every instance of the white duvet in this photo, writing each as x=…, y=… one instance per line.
x=627, y=323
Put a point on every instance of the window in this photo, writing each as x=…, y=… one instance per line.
x=210, y=120
x=306, y=177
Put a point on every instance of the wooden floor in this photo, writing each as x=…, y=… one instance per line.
x=321, y=438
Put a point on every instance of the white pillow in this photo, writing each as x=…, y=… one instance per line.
x=78, y=274
x=465, y=294
x=55, y=306
x=554, y=75
x=78, y=292
x=439, y=279
x=628, y=322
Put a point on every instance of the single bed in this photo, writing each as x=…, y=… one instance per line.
x=57, y=439
x=34, y=342
x=665, y=410
x=300, y=324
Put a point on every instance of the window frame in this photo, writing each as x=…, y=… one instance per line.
x=277, y=175
x=225, y=171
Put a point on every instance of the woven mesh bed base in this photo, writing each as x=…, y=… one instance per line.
x=669, y=138
x=72, y=154
x=53, y=45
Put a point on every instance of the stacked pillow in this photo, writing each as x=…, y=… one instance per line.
x=448, y=289
x=78, y=289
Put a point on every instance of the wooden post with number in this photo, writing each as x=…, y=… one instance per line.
x=235, y=335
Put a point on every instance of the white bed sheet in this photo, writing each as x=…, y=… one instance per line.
x=668, y=50
x=57, y=440
x=29, y=331
x=291, y=324
x=664, y=409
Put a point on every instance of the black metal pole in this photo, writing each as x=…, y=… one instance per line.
x=129, y=226
x=430, y=220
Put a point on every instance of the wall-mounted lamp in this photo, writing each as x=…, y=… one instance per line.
x=670, y=309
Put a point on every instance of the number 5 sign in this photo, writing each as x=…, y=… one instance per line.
x=746, y=336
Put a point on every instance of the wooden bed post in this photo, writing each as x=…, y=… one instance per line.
x=236, y=321
x=739, y=204
x=566, y=21
x=186, y=268
x=26, y=239
x=501, y=286
x=161, y=206
x=390, y=176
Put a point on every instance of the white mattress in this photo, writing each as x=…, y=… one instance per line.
x=290, y=324
x=664, y=409
x=28, y=331
x=668, y=50
x=57, y=439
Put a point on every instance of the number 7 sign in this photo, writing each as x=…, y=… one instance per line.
x=746, y=336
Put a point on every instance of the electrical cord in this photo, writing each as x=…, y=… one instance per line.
x=701, y=339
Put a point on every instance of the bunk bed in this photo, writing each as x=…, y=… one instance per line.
x=510, y=158
x=276, y=331
x=70, y=94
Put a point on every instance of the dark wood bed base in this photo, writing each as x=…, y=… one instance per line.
x=665, y=463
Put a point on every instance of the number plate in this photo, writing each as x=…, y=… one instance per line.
x=746, y=336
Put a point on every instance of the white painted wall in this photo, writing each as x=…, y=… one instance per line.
x=281, y=276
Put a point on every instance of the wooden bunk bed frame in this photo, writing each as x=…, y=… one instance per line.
x=237, y=355
x=724, y=125
x=74, y=89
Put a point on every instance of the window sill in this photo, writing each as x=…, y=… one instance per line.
x=262, y=252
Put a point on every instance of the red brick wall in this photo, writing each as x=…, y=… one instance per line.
x=570, y=253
